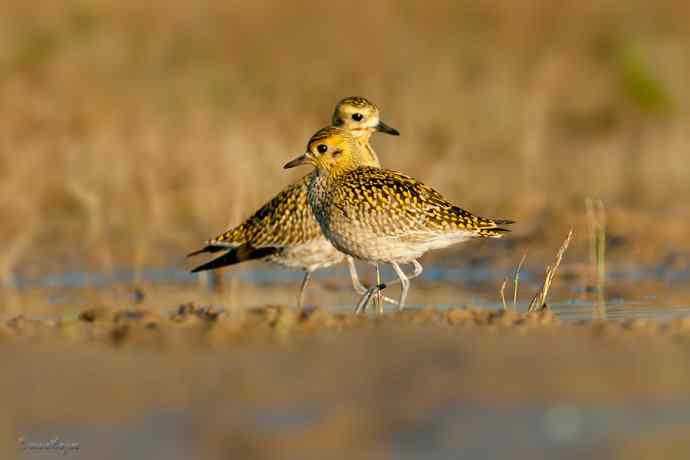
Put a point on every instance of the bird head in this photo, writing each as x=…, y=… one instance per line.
x=330, y=150
x=360, y=116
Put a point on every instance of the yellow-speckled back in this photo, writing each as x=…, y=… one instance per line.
x=286, y=223
x=381, y=215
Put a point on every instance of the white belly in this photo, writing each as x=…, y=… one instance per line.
x=397, y=249
x=318, y=253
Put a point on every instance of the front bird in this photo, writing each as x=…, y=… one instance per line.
x=382, y=216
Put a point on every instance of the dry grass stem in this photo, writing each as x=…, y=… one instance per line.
x=539, y=300
x=503, y=293
x=596, y=224
x=516, y=281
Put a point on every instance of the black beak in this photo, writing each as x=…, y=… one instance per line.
x=299, y=161
x=384, y=128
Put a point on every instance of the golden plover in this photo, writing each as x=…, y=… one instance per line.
x=379, y=215
x=283, y=230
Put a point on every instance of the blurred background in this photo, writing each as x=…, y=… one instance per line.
x=133, y=131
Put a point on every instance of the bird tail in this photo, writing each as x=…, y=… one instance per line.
x=233, y=256
x=493, y=230
x=235, y=237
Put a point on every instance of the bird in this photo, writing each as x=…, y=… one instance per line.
x=380, y=215
x=284, y=231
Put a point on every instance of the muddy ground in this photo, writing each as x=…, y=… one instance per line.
x=275, y=382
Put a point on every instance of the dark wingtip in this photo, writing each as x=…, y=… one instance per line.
x=210, y=248
x=215, y=263
x=233, y=256
x=503, y=222
x=228, y=258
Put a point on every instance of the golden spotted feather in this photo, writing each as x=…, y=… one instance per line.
x=282, y=231
x=383, y=215
x=285, y=220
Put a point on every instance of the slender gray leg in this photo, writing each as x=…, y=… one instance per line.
x=405, y=285
x=357, y=284
x=418, y=269
x=305, y=281
x=402, y=278
x=378, y=300
x=364, y=301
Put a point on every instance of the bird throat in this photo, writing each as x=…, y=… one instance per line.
x=367, y=156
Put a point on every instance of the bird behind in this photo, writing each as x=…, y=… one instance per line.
x=284, y=231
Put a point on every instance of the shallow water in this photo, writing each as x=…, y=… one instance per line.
x=264, y=274
x=656, y=292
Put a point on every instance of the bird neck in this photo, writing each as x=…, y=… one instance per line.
x=368, y=156
x=335, y=170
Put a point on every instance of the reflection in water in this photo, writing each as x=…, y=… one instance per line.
x=264, y=275
x=475, y=285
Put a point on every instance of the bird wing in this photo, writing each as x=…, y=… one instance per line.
x=384, y=201
x=391, y=203
x=284, y=220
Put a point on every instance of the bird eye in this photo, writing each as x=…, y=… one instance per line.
x=322, y=148
x=357, y=116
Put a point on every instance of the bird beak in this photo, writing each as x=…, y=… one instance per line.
x=384, y=128
x=299, y=161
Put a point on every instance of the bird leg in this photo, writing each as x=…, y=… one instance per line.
x=378, y=301
x=359, y=287
x=402, y=278
x=305, y=281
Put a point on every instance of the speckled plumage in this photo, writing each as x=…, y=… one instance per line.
x=283, y=231
x=380, y=215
